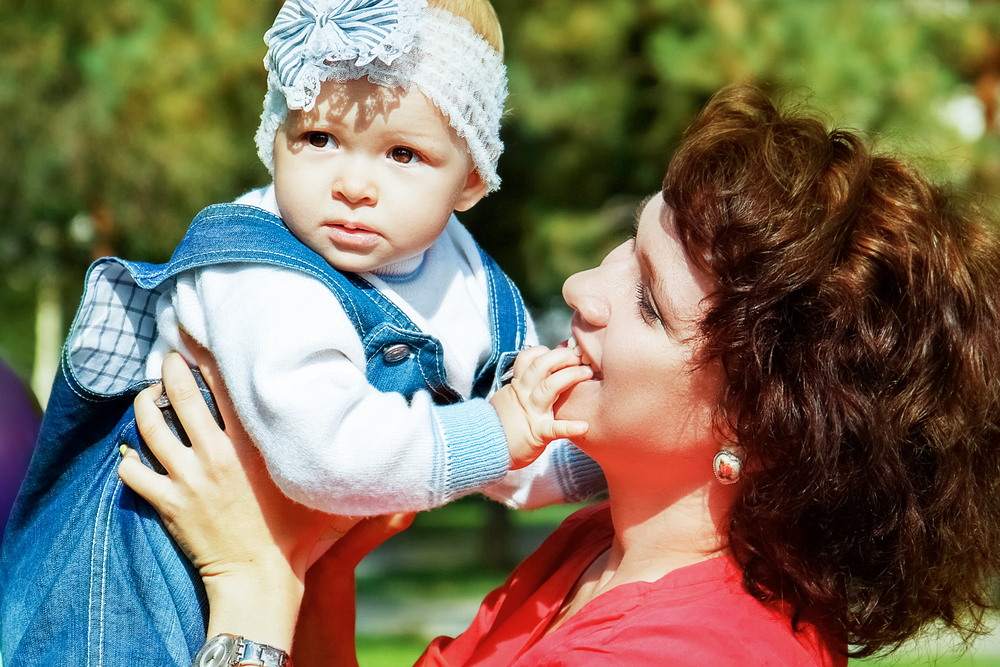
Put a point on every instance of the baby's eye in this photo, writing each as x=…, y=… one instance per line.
x=320, y=139
x=403, y=155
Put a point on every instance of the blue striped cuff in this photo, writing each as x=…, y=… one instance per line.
x=579, y=475
x=476, y=449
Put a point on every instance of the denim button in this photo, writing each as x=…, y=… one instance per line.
x=396, y=353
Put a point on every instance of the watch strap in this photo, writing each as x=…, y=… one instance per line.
x=261, y=655
x=226, y=650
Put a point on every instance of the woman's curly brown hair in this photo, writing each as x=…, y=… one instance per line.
x=857, y=318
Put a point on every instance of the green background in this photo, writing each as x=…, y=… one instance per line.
x=120, y=119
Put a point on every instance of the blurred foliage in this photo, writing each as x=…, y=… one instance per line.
x=601, y=91
x=122, y=118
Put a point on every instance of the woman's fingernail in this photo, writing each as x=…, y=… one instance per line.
x=123, y=450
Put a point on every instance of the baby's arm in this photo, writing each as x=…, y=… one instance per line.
x=525, y=406
x=296, y=372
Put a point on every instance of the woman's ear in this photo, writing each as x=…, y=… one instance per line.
x=474, y=190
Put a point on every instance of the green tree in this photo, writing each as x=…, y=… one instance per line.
x=121, y=120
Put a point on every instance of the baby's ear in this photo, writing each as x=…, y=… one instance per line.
x=474, y=190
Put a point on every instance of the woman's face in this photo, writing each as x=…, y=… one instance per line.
x=635, y=321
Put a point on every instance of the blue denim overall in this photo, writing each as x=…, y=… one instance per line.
x=88, y=574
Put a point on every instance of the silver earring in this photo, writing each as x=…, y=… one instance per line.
x=728, y=467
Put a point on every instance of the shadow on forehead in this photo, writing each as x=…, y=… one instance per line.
x=370, y=101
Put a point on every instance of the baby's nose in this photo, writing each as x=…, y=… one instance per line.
x=353, y=184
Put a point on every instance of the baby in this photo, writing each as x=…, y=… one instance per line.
x=368, y=397
x=359, y=329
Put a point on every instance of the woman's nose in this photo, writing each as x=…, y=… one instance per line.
x=584, y=293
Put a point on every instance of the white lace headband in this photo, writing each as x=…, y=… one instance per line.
x=396, y=44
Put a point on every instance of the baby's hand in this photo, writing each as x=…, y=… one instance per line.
x=525, y=405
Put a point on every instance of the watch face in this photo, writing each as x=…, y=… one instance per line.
x=218, y=652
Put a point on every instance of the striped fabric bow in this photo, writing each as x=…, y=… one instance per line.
x=307, y=32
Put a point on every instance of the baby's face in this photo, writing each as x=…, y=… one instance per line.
x=370, y=176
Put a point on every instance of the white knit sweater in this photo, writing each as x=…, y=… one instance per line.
x=295, y=368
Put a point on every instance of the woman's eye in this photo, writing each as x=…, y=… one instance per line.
x=403, y=155
x=320, y=139
x=647, y=310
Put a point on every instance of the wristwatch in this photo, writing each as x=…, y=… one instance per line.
x=232, y=651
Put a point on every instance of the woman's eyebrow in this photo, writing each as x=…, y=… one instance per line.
x=638, y=213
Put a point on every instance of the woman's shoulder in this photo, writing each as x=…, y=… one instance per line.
x=697, y=615
x=588, y=528
x=704, y=611
x=568, y=551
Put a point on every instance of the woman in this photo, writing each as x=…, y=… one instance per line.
x=795, y=400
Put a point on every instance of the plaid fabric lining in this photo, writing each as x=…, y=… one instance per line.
x=114, y=331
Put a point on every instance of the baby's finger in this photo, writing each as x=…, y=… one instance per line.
x=165, y=446
x=545, y=394
x=557, y=429
x=148, y=483
x=525, y=358
x=550, y=362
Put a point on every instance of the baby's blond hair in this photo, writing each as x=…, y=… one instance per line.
x=480, y=15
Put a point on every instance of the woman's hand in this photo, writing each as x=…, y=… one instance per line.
x=250, y=543
x=525, y=406
x=324, y=636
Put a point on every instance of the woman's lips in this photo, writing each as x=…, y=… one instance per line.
x=345, y=235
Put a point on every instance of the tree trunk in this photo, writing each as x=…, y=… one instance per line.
x=48, y=338
x=497, y=546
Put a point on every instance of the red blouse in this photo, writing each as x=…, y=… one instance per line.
x=698, y=615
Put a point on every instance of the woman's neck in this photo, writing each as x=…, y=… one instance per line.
x=660, y=530
x=657, y=530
